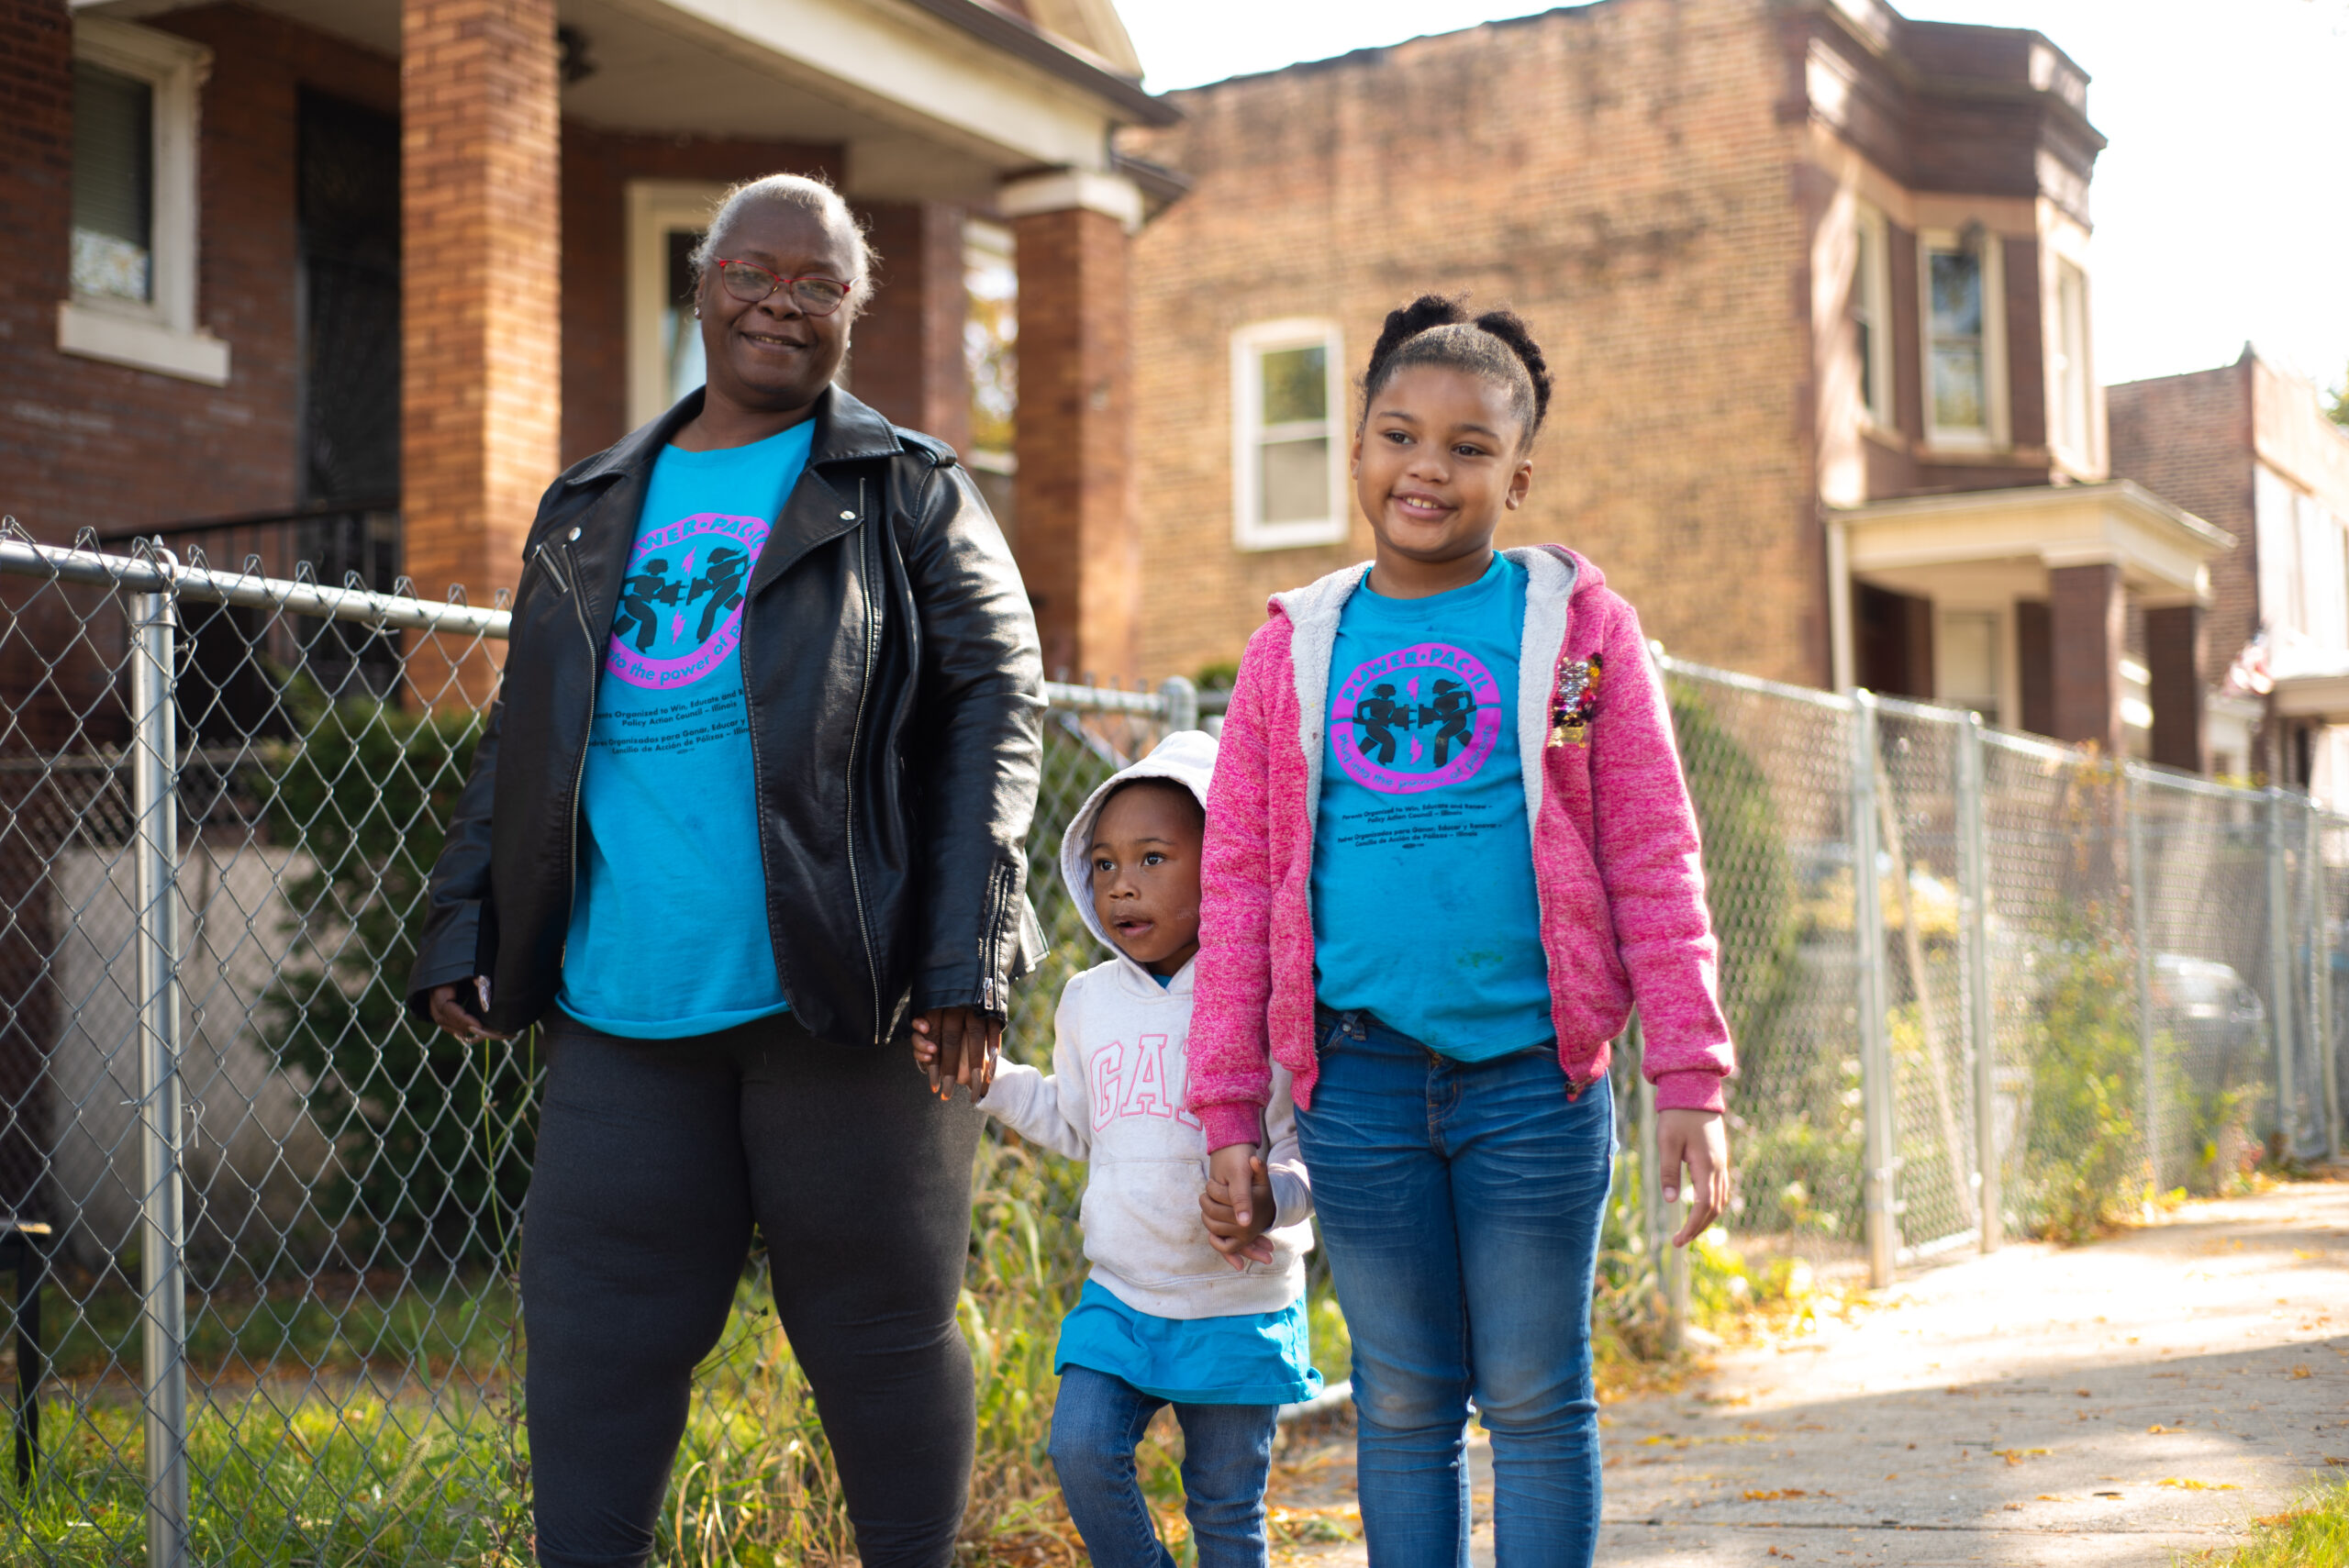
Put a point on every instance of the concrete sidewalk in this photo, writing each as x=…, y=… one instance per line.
x=2115, y=1404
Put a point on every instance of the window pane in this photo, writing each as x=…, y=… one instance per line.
x=680, y=333
x=1957, y=294
x=1967, y=652
x=113, y=182
x=1297, y=385
x=1958, y=386
x=1867, y=366
x=1296, y=480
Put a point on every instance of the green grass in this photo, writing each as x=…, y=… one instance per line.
x=337, y=1323
x=2314, y=1534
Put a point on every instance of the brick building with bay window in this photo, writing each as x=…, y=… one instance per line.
x=1813, y=280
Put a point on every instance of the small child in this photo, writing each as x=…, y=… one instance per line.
x=1449, y=844
x=1208, y=1320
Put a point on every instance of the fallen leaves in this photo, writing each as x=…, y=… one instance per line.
x=1775, y=1495
x=2190, y=1485
x=2017, y=1455
x=2302, y=1372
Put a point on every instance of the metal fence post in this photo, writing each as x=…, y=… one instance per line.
x=2321, y=979
x=2280, y=965
x=1974, y=955
x=164, y=1328
x=1873, y=999
x=2132, y=802
x=1181, y=700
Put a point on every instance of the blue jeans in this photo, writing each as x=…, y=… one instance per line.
x=1460, y=1204
x=1227, y=1453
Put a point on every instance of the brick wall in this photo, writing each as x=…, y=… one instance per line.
x=2188, y=439
x=1095, y=587
x=89, y=445
x=481, y=237
x=1616, y=172
x=908, y=360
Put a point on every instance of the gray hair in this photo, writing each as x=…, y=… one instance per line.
x=808, y=193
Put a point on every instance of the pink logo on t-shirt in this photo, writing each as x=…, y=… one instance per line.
x=1417, y=718
x=681, y=603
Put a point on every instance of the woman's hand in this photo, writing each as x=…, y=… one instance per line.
x=446, y=1012
x=1698, y=1140
x=1236, y=1203
x=958, y=1045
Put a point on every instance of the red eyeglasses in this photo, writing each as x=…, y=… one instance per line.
x=750, y=282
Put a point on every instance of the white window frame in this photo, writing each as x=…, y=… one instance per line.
x=1872, y=297
x=2071, y=381
x=655, y=209
x=1995, y=399
x=161, y=333
x=1250, y=344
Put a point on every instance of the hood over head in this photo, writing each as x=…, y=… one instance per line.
x=1185, y=757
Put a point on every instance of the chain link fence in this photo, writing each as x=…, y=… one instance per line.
x=1982, y=986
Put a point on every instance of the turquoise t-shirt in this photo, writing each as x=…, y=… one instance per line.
x=668, y=932
x=1255, y=1358
x=1424, y=908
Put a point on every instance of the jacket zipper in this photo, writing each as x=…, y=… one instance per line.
x=579, y=774
x=855, y=742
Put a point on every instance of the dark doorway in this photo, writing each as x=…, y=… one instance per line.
x=1894, y=637
x=349, y=212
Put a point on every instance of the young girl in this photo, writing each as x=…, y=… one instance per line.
x=1163, y=1319
x=1448, y=846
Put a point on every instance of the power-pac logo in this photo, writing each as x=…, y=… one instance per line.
x=1418, y=718
x=681, y=604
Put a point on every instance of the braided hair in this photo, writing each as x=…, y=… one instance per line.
x=1436, y=330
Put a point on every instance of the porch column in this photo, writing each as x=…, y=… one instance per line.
x=2175, y=652
x=907, y=361
x=1080, y=547
x=480, y=361
x=2089, y=625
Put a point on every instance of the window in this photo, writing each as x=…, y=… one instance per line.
x=1871, y=297
x=1288, y=460
x=1965, y=340
x=133, y=257
x=2073, y=389
x=666, y=220
x=1966, y=654
x=114, y=184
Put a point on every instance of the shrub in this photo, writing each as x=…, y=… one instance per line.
x=434, y=1137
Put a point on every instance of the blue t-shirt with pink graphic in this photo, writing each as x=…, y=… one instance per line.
x=1424, y=908
x=669, y=915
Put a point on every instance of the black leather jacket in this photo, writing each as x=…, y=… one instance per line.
x=894, y=686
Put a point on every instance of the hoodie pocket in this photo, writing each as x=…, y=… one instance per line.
x=1142, y=1220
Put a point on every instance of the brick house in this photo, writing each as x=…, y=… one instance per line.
x=350, y=280
x=1813, y=279
x=2247, y=446
x=391, y=264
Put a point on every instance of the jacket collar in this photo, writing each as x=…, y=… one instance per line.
x=846, y=431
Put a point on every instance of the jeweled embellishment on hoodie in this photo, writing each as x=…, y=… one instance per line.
x=1577, y=702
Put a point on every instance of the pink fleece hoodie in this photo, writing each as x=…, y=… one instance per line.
x=1615, y=860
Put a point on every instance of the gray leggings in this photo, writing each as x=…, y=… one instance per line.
x=654, y=1160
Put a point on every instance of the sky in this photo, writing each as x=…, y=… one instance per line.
x=2222, y=207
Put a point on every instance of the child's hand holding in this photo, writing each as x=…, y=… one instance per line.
x=1238, y=1205
x=973, y=1044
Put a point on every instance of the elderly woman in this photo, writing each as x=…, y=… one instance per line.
x=755, y=795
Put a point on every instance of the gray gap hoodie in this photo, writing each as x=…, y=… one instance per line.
x=1114, y=1098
